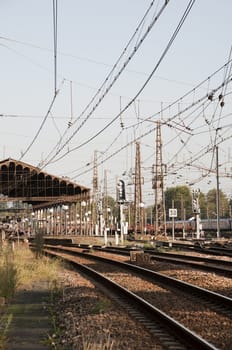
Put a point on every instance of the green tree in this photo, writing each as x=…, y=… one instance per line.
x=110, y=208
x=203, y=205
x=182, y=199
x=230, y=208
x=150, y=212
x=108, y=202
x=211, y=206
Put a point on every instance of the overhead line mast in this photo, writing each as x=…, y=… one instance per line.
x=158, y=186
x=138, y=202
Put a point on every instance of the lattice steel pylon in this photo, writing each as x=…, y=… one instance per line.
x=158, y=186
x=138, y=202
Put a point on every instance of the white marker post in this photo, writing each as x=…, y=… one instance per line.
x=173, y=215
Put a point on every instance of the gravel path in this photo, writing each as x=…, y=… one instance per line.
x=30, y=323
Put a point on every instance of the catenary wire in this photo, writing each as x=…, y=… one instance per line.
x=138, y=138
x=134, y=51
x=188, y=9
x=41, y=125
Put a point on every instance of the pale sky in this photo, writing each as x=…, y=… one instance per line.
x=91, y=37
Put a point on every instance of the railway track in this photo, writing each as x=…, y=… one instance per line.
x=220, y=305
x=202, y=247
x=214, y=265
x=209, y=264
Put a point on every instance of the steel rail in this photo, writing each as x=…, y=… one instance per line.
x=217, y=298
x=190, y=260
x=180, y=332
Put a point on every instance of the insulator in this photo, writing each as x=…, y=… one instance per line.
x=210, y=96
x=220, y=97
x=222, y=103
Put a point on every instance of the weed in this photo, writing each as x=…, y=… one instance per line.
x=18, y=270
x=101, y=306
x=96, y=343
x=5, y=322
x=39, y=244
x=8, y=274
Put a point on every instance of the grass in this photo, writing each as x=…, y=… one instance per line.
x=102, y=343
x=5, y=321
x=31, y=271
x=38, y=244
x=8, y=274
x=101, y=306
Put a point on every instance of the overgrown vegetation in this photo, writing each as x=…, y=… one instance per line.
x=101, y=306
x=18, y=270
x=8, y=274
x=38, y=244
x=103, y=343
x=5, y=321
x=8, y=285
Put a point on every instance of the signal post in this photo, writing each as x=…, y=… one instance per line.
x=196, y=210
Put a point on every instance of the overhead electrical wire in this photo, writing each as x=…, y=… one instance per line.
x=55, y=125
x=24, y=56
x=146, y=82
x=114, y=79
x=227, y=76
x=224, y=87
x=205, y=151
x=179, y=112
x=79, y=58
x=193, y=104
x=220, y=102
x=55, y=26
x=55, y=82
x=152, y=130
x=181, y=22
x=107, y=78
x=208, y=148
x=190, y=133
x=184, y=146
x=200, y=154
x=41, y=125
x=59, y=140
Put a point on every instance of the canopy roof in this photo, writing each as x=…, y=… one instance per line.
x=23, y=182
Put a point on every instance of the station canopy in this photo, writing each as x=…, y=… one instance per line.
x=20, y=181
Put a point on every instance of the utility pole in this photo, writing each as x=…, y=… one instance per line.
x=138, y=203
x=105, y=198
x=105, y=205
x=121, y=198
x=196, y=210
x=158, y=186
x=95, y=193
x=217, y=195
